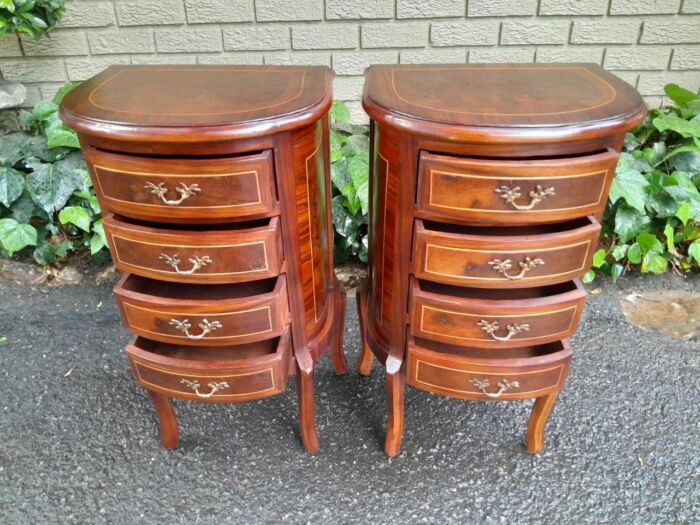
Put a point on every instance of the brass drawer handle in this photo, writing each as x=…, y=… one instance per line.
x=503, y=386
x=206, y=326
x=174, y=261
x=183, y=189
x=194, y=385
x=493, y=327
x=505, y=265
x=536, y=196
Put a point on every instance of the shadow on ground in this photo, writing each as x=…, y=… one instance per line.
x=79, y=442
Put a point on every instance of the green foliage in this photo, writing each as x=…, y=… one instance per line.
x=350, y=177
x=652, y=221
x=32, y=17
x=46, y=197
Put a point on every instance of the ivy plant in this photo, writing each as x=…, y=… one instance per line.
x=31, y=17
x=349, y=147
x=46, y=197
x=652, y=220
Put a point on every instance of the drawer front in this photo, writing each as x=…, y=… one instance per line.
x=195, y=257
x=458, y=377
x=184, y=190
x=513, y=192
x=494, y=324
x=206, y=323
x=504, y=262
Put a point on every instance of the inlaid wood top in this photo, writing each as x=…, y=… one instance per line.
x=159, y=100
x=539, y=97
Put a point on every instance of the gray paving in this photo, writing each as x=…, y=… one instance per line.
x=78, y=438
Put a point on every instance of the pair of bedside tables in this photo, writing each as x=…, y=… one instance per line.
x=487, y=185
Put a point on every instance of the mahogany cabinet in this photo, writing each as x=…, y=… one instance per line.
x=214, y=183
x=487, y=186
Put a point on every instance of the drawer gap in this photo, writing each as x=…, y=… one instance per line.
x=498, y=294
x=535, y=229
x=520, y=158
x=181, y=157
x=211, y=354
x=523, y=352
x=238, y=225
x=197, y=292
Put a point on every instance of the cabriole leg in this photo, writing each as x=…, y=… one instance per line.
x=395, y=385
x=364, y=363
x=166, y=416
x=337, y=356
x=538, y=419
x=307, y=410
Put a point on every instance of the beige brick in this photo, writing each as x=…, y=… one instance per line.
x=605, y=31
x=403, y=34
x=656, y=102
x=644, y=7
x=256, y=38
x=150, y=12
x=286, y=10
x=573, y=7
x=653, y=83
x=9, y=46
x=359, y=9
x=327, y=36
x=164, y=59
x=357, y=113
x=637, y=58
x=84, y=68
x=686, y=58
x=434, y=56
x=467, y=33
x=502, y=55
x=190, y=40
x=355, y=62
x=348, y=88
x=219, y=11
x=24, y=70
x=502, y=7
x=535, y=32
x=121, y=41
x=305, y=58
x=49, y=90
x=88, y=14
x=429, y=8
x=685, y=30
x=627, y=76
x=33, y=96
x=61, y=43
x=231, y=58
x=691, y=6
x=570, y=54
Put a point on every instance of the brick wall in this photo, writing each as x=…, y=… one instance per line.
x=648, y=43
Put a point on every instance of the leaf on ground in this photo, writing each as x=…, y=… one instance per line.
x=76, y=215
x=11, y=185
x=14, y=236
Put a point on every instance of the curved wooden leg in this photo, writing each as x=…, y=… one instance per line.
x=395, y=384
x=364, y=363
x=166, y=416
x=307, y=411
x=535, y=429
x=337, y=356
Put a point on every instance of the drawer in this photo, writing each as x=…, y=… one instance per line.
x=514, y=257
x=469, y=373
x=495, y=318
x=184, y=189
x=212, y=374
x=203, y=314
x=210, y=254
x=481, y=191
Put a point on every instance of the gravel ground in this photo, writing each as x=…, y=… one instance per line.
x=79, y=441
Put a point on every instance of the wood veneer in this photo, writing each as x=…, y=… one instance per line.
x=215, y=185
x=487, y=183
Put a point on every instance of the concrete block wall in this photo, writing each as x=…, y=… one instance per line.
x=648, y=43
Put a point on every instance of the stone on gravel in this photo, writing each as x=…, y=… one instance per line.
x=67, y=276
x=674, y=313
x=21, y=273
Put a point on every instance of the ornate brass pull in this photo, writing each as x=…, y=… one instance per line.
x=493, y=327
x=183, y=189
x=194, y=385
x=503, y=386
x=537, y=195
x=184, y=327
x=197, y=262
x=505, y=265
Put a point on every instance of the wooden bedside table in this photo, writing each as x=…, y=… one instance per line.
x=486, y=190
x=214, y=182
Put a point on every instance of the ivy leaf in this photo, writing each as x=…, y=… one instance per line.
x=75, y=215
x=63, y=90
x=616, y=270
x=339, y=111
x=589, y=277
x=44, y=109
x=619, y=251
x=11, y=148
x=672, y=122
x=668, y=233
x=339, y=174
x=694, y=251
x=15, y=236
x=599, y=258
x=51, y=185
x=356, y=145
x=648, y=243
x=65, y=138
x=629, y=222
x=634, y=254
x=629, y=184
x=11, y=185
x=358, y=169
x=8, y=4
x=679, y=95
x=654, y=263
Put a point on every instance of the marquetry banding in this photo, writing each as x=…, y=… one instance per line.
x=311, y=231
x=485, y=315
x=175, y=175
x=268, y=370
x=128, y=306
x=386, y=197
x=433, y=172
x=419, y=362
